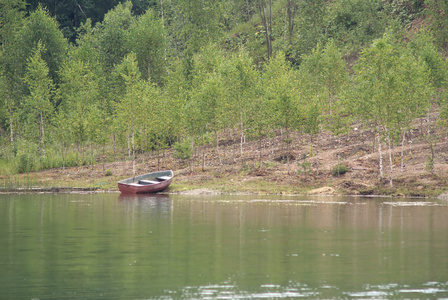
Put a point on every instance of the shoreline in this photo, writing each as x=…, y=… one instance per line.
x=197, y=192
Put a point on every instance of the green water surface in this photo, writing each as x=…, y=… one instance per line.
x=106, y=246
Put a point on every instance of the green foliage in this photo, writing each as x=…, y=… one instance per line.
x=26, y=159
x=306, y=167
x=323, y=75
x=6, y=167
x=70, y=14
x=183, y=149
x=339, y=170
x=37, y=107
x=40, y=27
x=24, y=163
x=422, y=46
x=429, y=165
x=146, y=39
x=355, y=23
x=437, y=12
x=195, y=23
x=404, y=11
x=112, y=39
x=309, y=30
x=282, y=93
x=108, y=172
x=391, y=85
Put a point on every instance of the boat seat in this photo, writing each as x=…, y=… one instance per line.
x=163, y=178
x=147, y=182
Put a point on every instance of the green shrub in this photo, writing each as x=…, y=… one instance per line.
x=183, y=149
x=108, y=172
x=6, y=167
x=24, y=163
x=26, y=159
x=339, y=170
x=306, y=167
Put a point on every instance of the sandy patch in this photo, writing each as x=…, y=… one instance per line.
x=326, y=190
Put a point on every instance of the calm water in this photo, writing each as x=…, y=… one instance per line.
x=106, y=246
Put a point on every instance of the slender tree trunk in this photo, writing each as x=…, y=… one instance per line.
x=104, y=156
x=339, y=160
x=129, y=147
x=203, y=153
x=192, y=156
x=260, y=146
x=290, y=11
x=402, y=150
x=288, y=148
x=270, y=26
x=158, y=155
x=431, y=164
x=114, y=146
x=133, y=154
x=390, y=158
x=217, y=147
x=163, y=26
x=242, y=139
x=164, y=164
x=11, y=127
x=63, y=156
x=91, y=155
x=380, y=155
x=77, y=152
x=41, y=133
x=262, y=10
x=234, y=150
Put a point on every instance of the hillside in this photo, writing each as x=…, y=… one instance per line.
x=155, y=77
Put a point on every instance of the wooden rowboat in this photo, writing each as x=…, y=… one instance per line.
x=146, y=183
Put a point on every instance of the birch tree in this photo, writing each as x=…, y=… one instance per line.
x=38, y=108
x=11, y=18
x=78, y=94
x=386, y=96
x=240, y=82
x=283, y=96
x=147, y=40
x=129, y=106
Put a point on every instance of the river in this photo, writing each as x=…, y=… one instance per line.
x=106, y=246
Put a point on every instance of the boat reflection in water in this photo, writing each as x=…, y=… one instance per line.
x=154, y=203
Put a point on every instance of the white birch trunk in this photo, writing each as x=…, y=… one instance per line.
x=241, y=140
x=42, y=133
x=129, y=147
x=11, y=128
x=133, y=153
x=390, y=159
x=192, y=156
x=402, y=151
x=203, y=153
x=380, y=155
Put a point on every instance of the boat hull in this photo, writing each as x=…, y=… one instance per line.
x=146, y=183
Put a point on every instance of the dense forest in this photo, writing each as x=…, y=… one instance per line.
x=85, y=81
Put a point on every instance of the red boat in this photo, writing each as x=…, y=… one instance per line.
x=146, y=183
